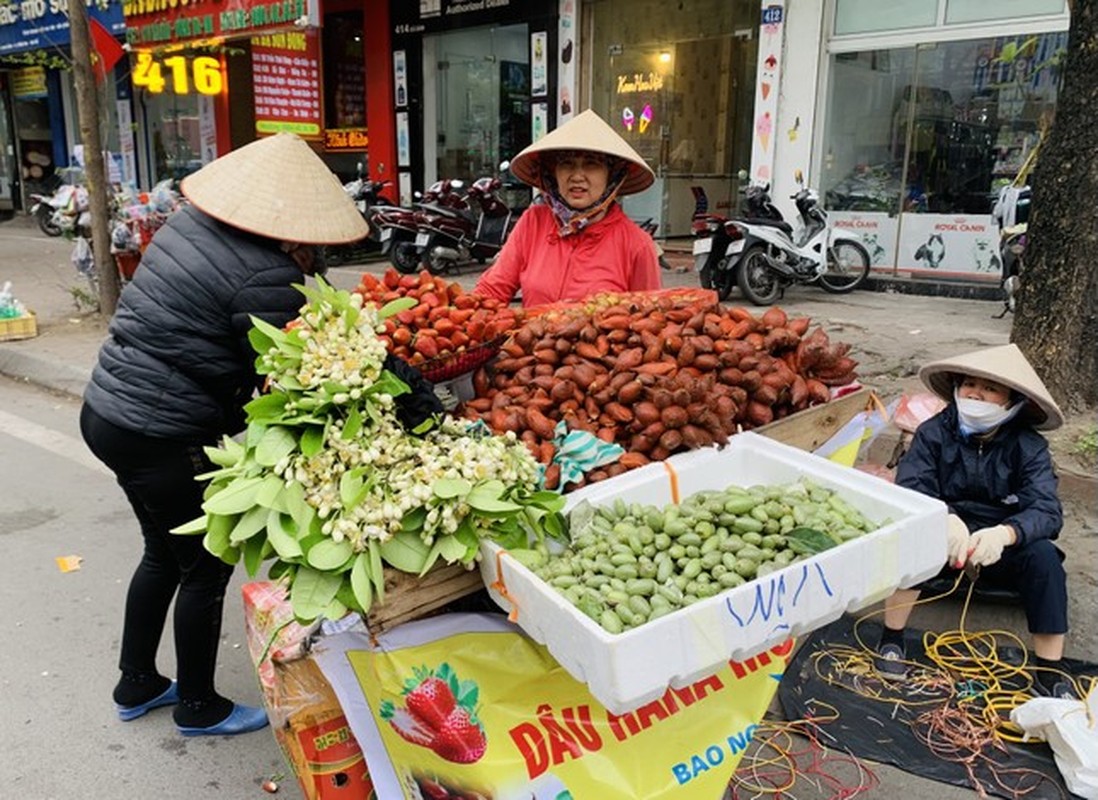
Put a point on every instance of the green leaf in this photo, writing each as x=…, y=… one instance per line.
x=377, y=570
x=352, y=491
x=273, y=336
x=412, y=521
x=253, y=555
x=250, y=523
x=489, y=506
x=312, y=440
x=282, y=535
x=198, y=525
x=228, y=454
x=336, y=609
x=405, y=551
x=808, y=541
x=466, y=533
x=396, y=306
x=269, y=492
x=253, y=434
x=276, y=444
x=448, y=488
x=267, y=408
x=352, y=426
x=468, y=694
x=312, y=592
x=235, y=498
x=293, y=500
x=217, y=534
x=452, y=549
x=361, y=583
x=330, y=555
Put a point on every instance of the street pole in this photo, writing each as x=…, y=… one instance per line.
x=87, y=104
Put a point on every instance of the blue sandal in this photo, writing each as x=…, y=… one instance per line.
x=169, y=696
x=242, y=719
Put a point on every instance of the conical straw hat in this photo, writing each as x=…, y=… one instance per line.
x=586, y=131
x=279, y=188
x=1006, y=365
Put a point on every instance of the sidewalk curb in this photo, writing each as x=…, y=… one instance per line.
x=47, y=373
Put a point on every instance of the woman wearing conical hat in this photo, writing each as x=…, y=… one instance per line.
x=579, y=241
x=983, y=456
x=174, y=375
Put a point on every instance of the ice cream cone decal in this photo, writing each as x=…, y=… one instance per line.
x=627, y=118
x=765, y=90
x=763, y=128
x=646, y=118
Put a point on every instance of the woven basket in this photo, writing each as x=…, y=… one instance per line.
x=448, y=367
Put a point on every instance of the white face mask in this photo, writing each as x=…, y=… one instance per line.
x=979, y=416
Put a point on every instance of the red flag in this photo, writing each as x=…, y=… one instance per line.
x=106, y=51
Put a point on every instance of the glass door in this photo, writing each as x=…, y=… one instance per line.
x=482, y=100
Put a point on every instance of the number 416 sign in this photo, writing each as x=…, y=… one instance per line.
x=201, y=72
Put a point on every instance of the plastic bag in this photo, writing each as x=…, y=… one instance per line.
x=1071, y=729
x=82, y=257
x=915, y=409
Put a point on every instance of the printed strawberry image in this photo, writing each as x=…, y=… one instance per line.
x=439, y=713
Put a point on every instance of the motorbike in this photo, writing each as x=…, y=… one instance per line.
x=1011, y=212
x=718, y=243
x=366, y=194
x=399, y=227
x=462, y=229
x=66, y=211
x=768, y=256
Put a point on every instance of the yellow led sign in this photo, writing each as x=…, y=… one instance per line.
x=204, y=74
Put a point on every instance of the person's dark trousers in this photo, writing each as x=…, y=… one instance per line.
x=158, y=477
x=1036, y=572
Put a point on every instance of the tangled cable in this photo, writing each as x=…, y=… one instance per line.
x=779, y=759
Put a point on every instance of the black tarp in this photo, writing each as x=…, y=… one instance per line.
x=876, y=720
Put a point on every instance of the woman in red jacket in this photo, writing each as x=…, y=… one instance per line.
x=578, y=241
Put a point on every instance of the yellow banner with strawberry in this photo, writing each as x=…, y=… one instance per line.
x=467, y=706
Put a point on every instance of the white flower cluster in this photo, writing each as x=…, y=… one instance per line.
x=334, y=349
x=401, y=472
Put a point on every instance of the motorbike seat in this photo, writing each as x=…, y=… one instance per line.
x=781, y=225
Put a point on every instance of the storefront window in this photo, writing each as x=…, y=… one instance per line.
x=173, y=134
x=931, y=133
x=863, y=16
x=982, y=10
x=678, y=83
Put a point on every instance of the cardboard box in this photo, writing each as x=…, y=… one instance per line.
x=627, y=670
x=25, y=327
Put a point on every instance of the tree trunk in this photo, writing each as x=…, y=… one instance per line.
x=87, y=104
x=1056, y=322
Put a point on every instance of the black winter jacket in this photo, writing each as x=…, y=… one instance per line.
x=177, y=363
x=1005, y=480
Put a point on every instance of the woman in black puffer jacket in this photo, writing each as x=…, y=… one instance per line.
x=173, y=377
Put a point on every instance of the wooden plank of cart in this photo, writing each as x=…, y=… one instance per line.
x=409, y=597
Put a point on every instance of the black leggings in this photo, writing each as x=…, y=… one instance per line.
x=157, y=476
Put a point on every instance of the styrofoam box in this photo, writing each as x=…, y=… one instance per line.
x=624, y=671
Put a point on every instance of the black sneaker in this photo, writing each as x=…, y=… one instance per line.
x=890, y=662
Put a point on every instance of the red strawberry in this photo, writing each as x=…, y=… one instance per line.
x=411, y=728
x=460, y=739
x=431, y=701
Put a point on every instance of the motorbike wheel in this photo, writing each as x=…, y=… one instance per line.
x=46, y=223
x=757, y=280
x=847, y=268
x=405, y=257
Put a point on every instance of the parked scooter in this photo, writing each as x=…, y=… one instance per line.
x=772, y=257
x=470, y=228
x=366, y=194
x=1011, y=212
x=718, y=243
x=61, y=186
x=66, y=212
x=399, y=228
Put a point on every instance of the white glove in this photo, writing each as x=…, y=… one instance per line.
x=956, y=541
x=985, y=547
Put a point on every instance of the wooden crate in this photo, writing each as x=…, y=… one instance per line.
x=809, y=429
x=409, y=597
x=25, y=327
